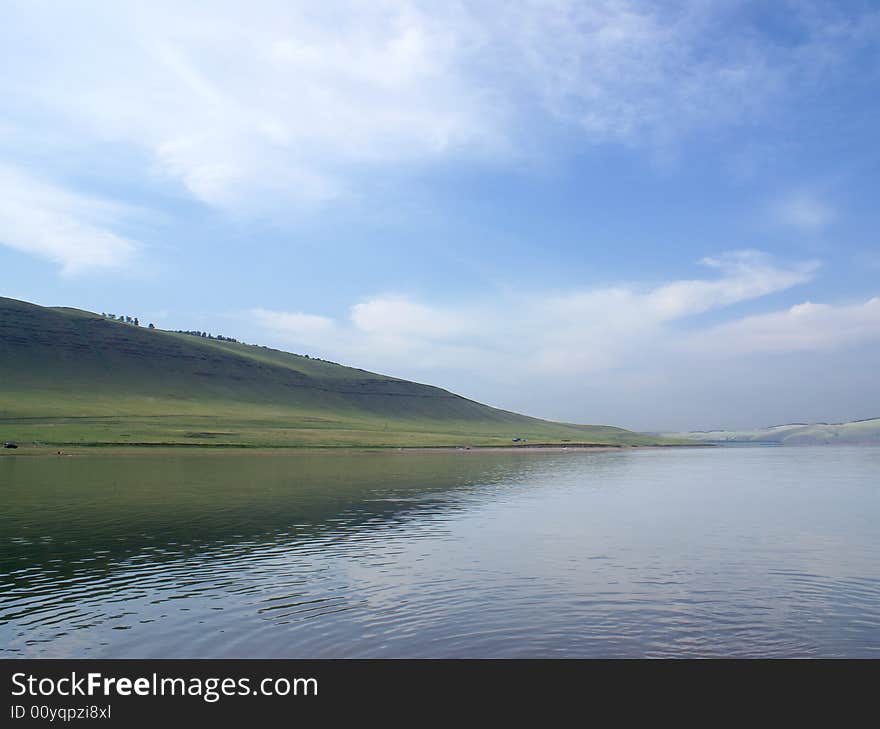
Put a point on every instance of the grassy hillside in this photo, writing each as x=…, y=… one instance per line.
x=857, y=431
x=72, y=377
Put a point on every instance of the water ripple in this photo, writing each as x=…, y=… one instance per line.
x=742, y=552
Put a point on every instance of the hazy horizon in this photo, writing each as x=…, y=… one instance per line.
x=660, y=216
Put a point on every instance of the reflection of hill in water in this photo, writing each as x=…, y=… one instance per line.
x=761, y=552
x=79, y=516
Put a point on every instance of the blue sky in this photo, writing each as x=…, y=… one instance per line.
x=652, y=214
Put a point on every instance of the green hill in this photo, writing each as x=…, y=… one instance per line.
x=71, y=377
x=855, y=432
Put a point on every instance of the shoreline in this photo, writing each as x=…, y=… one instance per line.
x=166, y=449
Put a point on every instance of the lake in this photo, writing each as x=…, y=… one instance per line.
x=748, y=551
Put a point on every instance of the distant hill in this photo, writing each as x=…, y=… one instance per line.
x=856, y=431
x=73, y=377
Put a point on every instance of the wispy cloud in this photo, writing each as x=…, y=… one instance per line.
x=294, y=103
x=302, y=328
x=619, y=354
x=72, y=230
x=638, y=72
x=258, y=105
x=804, y=327
x=804, y=210
x=562, y=333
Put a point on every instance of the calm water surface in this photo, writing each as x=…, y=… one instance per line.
x=761, y=551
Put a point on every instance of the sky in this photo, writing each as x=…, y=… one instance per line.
x=658, y=215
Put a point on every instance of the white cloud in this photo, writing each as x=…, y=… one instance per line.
x=637, y=72
x=747, y=275
x=569, y=333
x=802, y=328
x=622, y=354
x=72, y=230
x=251, y=106
x=399, y=316
x=805, y=211
x=270, y=104
x=302, y=328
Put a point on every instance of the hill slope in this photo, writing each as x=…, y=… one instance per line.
x=72, y=377
x=856, y=431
